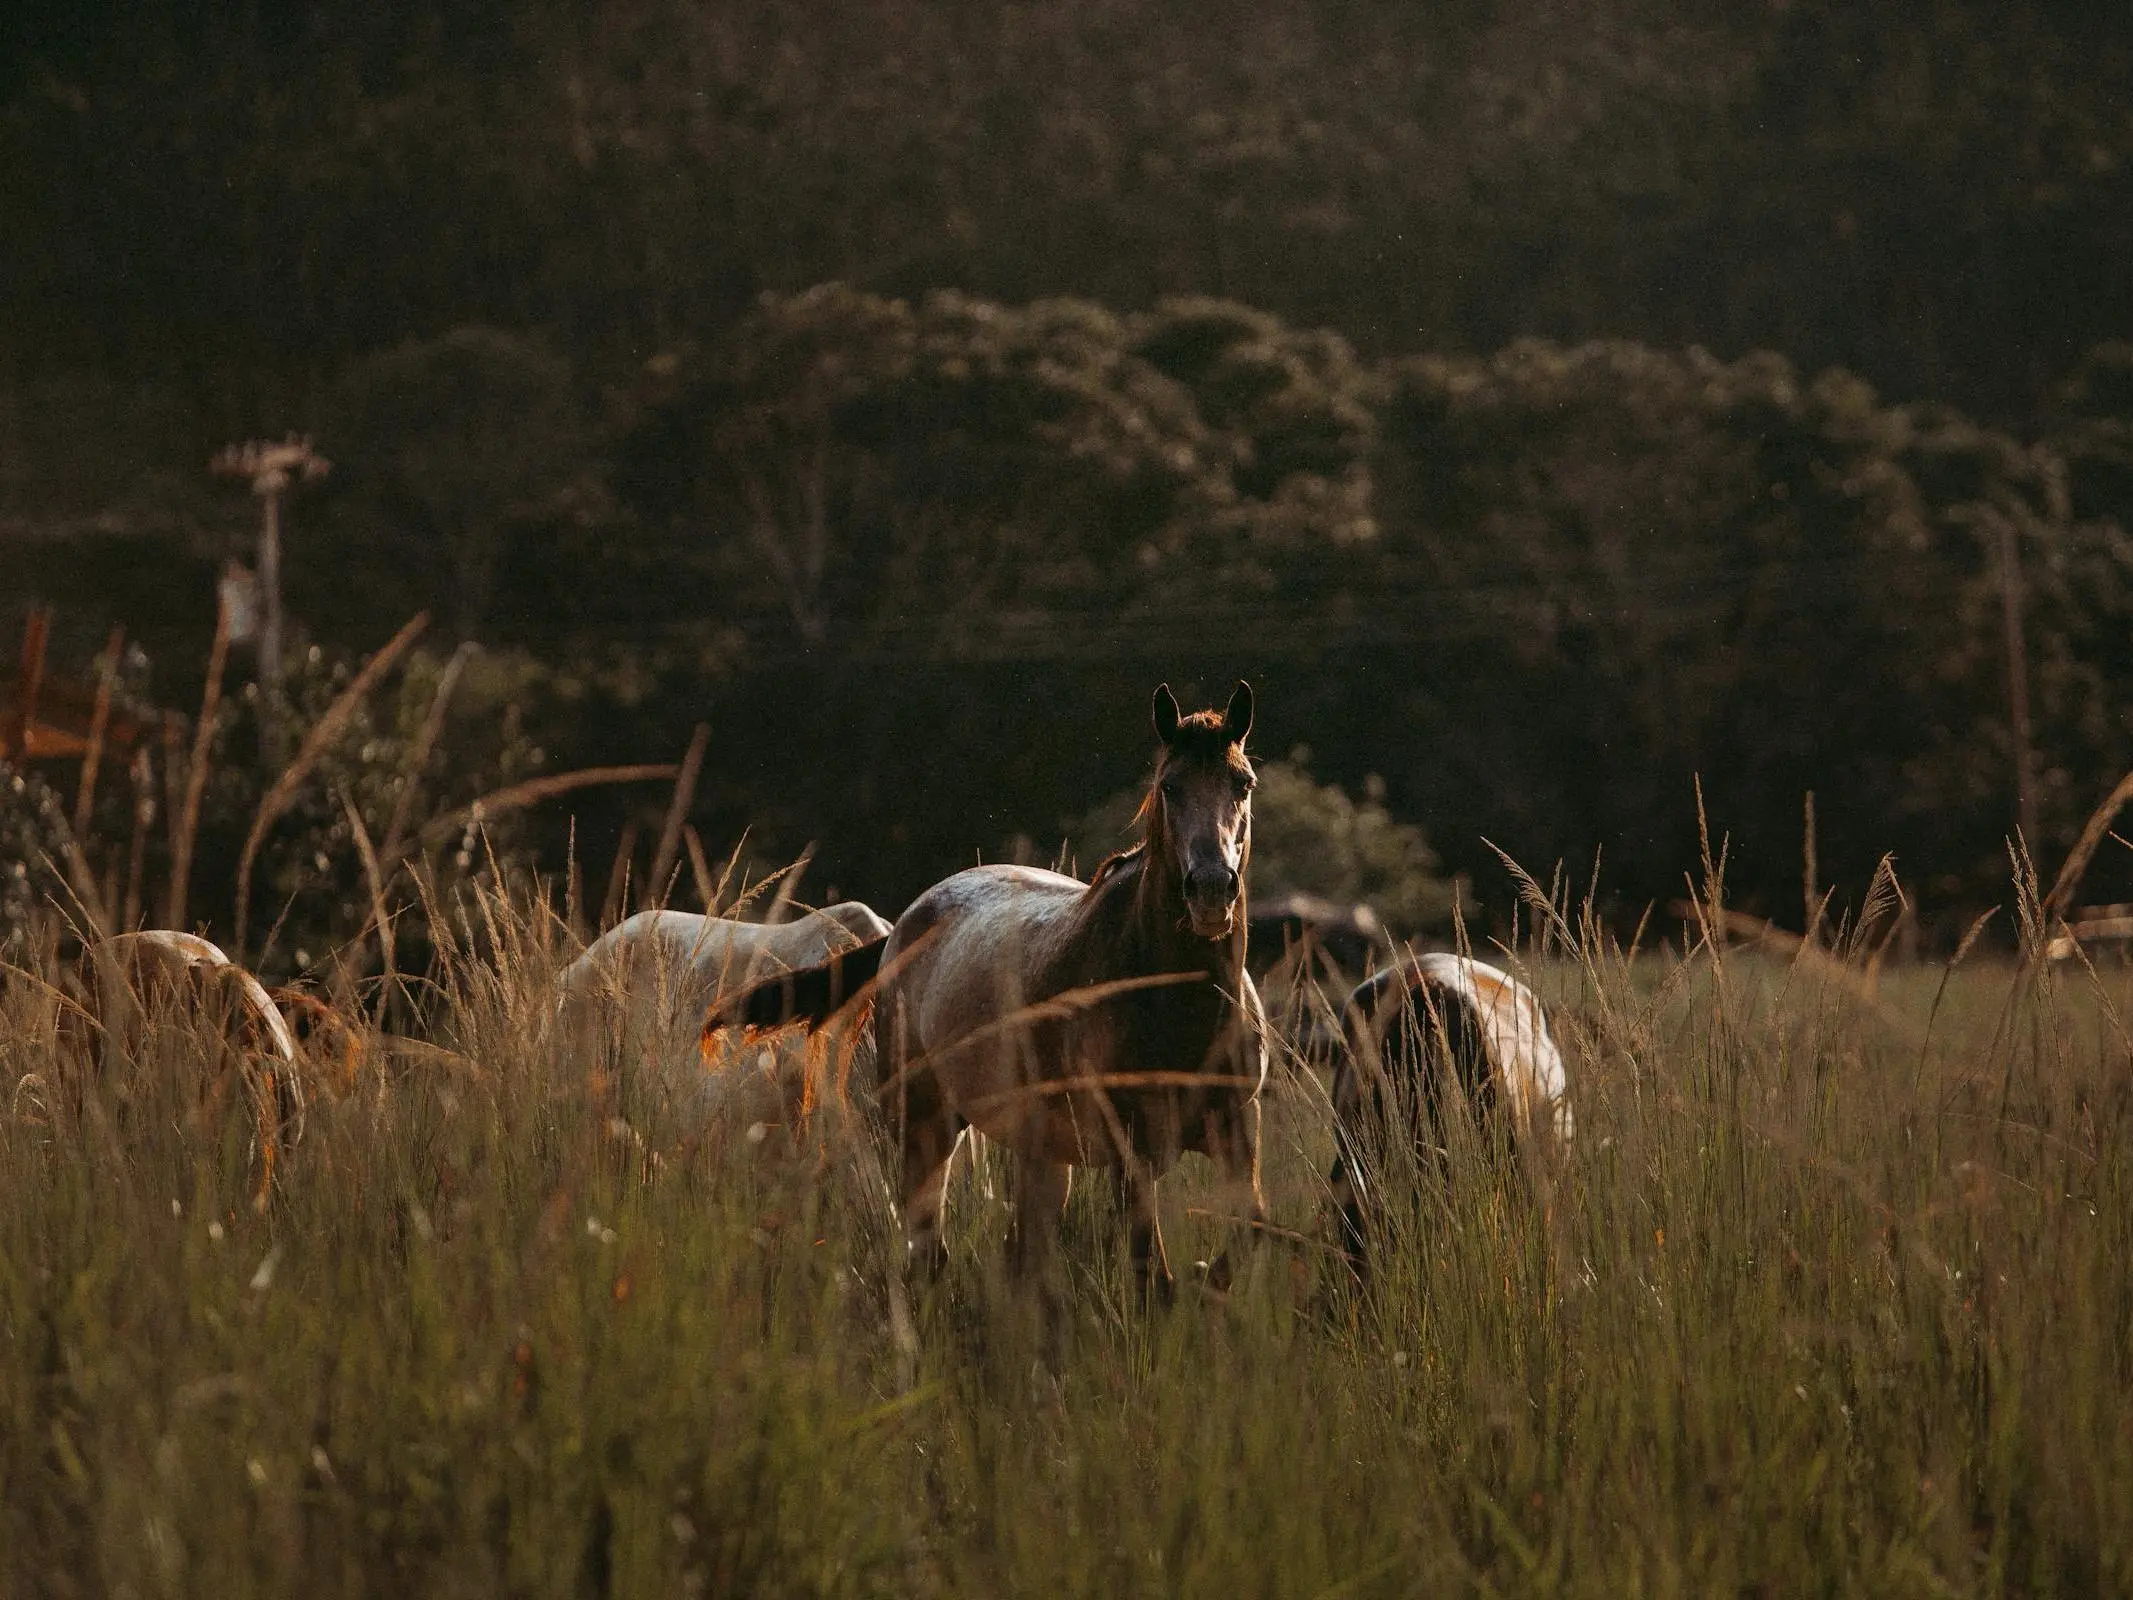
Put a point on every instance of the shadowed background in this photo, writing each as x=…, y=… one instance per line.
x=904, y=394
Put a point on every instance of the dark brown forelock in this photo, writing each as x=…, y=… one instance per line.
x=1199, y=740
x=1202, y=737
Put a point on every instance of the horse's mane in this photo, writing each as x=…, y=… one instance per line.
x=1116, y=862
x=1119, y=860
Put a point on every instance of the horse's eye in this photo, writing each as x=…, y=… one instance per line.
x=1245, y=784
x=1172, y=788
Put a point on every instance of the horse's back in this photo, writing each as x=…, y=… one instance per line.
x=860, y=920
x=131, y=969
x=1514, y=1028
x=712, y=956
x=1494, y=1025
x=974, y=941
x=638, y=996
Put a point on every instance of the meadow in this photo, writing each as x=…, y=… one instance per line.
x=1833, y=1294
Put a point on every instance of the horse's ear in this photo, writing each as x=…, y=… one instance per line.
x=1237, y=720
x=1166, y=713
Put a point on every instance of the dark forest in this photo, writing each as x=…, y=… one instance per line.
x=1549, y=407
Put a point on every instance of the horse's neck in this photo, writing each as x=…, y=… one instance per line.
x=1137, y=926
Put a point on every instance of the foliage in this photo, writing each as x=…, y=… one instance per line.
x=1937, y=193
x=1645, y=565
x=2094, y=432
x=962, y=474
x=33, y=839
x=311, y=887
x=452, y=446
x=1315, y=838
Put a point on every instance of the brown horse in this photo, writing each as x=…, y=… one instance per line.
x=1107, y=1023
x=1428, y=1035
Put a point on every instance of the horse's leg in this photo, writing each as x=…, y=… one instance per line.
x=1151, y=1267
x=1345, y=1185
x=930, y=1133
x=926, y=1131
x=1232, y=1143
x=1040, y=1195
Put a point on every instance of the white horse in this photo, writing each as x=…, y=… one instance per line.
x=1412, y=1032
x=636, y=1001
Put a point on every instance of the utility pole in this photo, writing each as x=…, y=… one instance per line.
x=272, y=470
x=2017, y=682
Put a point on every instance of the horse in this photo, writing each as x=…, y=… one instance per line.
x=1107, y=1024
x=1412, y=1034
x=128, y=979
x=638, y=995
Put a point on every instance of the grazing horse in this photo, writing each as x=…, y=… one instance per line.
x=1416, y=1033
x=130, y=979
x=1108, y=1023
x=640, y=991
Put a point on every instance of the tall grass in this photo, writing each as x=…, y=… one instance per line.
x=1834, y=1294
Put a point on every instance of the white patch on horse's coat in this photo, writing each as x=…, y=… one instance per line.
x=174, y=953
x=996, y=927
x=645, y=985
x=969, y=969
x=1515, y=1035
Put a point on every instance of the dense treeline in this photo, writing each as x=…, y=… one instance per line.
x=1940, y=197
x=904, y=393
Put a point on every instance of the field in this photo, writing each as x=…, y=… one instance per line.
x=1834, y=1294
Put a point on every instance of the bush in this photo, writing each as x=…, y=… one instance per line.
x=310, y=892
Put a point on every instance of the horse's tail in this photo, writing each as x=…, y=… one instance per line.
x=811, y=995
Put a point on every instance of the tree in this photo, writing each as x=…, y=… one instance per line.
x=1648, y=566
x=963, y=476
x=450, y=446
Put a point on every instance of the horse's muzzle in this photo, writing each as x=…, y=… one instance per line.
x=1211, y=895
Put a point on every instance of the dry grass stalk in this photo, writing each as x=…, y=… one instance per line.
x=173, y=782
x=99, y=723
x=426, y=741
x=144, y=813
x=1811, y=898
x=374, y=878
x=706, y=890
x=750, y=894
x=574, y=888
x=618, y=876
x=678, y=810
x=717, y=897
x=83, y=882
x=322, y=734
x=2092, y=836
x=1741, y=925
x=29, y=677
x=188, y=821
x=788, y=882
x=519, y=796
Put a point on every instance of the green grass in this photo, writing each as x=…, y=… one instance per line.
x=1825, y=1300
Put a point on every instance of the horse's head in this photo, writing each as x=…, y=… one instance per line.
x=1200, y=812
